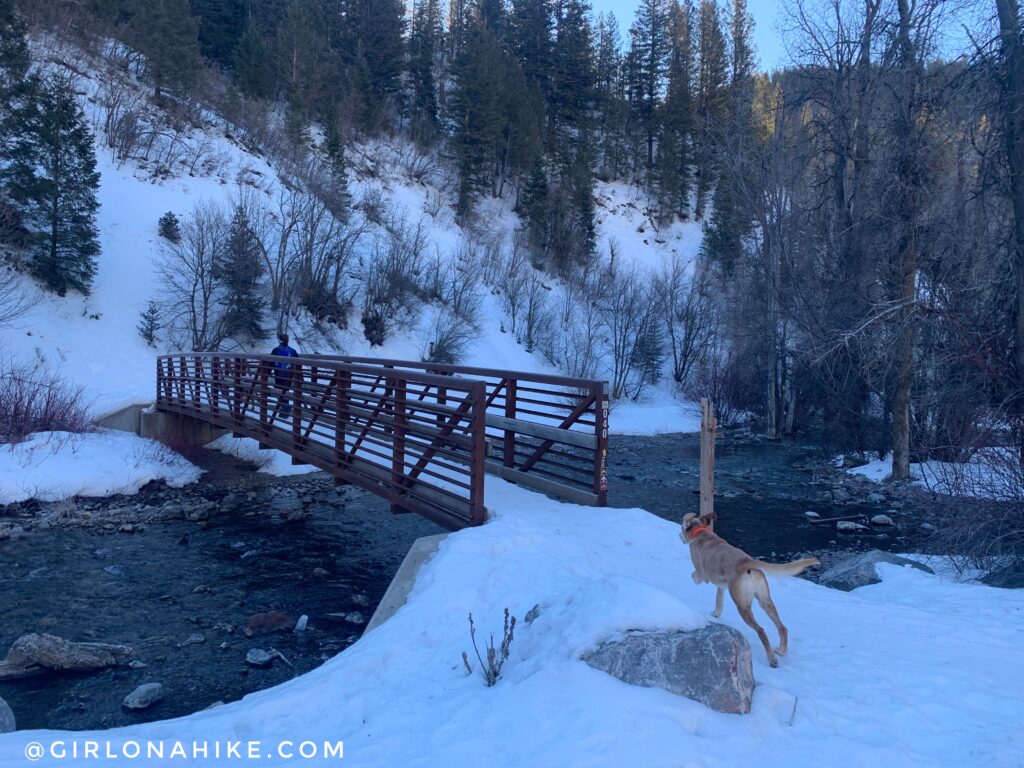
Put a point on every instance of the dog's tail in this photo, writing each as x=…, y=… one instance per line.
x=786, y=569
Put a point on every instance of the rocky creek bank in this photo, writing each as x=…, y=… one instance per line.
x=220, y=589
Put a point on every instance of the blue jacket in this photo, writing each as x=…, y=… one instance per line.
x=283, y=350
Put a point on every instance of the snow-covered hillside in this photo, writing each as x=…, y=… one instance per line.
x=94, y=340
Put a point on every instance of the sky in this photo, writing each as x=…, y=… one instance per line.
x=767, y=40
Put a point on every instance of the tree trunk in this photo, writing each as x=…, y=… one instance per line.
x=1013, y=89
x=910, y=176
x=901, y=407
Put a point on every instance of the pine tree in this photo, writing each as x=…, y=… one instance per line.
x=15, y=83
x=149, y=323
x=14, y=58
x=533, y=206
x=673, y=162
x=254, y=65
x=648, y=56
x=240, y=271
x=712, y=81
x=610, y=99
x=496, y=115
x=724, y=232
x=372, y=36
x=305, y=61
x=458, y=24
x=529, y=38
x=169, y=227
x=168, y=34
x=338, y=199
x=572, y=87
x=51, y=180
x=478, y=111
x=425, y=46
x=220, y=27
x=741, y=28
x=492, y=13
x=722, y=242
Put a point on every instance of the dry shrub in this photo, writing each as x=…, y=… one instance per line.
x=33, y=400
x=979, y=514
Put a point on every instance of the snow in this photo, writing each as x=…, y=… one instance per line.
x=270, y=461
x=914, y=671
x=52, y=466
x=621, y=212
x=988, y=475
x=659, y=414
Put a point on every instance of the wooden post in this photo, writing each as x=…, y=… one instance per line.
x=707, y=458
x=342, y=392
x=296, y=393
x=601, y=451
x=262, y=375
x=236, y=409
x=509, y=447
x=398, y=385
x=478, y=453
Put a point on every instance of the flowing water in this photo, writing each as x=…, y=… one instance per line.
x=763, y=490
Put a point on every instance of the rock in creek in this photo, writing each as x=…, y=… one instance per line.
x=257, y=657
x=144, y=696
x=268, y=623
x=848, y=526
x=37, y=654
x=859, y=570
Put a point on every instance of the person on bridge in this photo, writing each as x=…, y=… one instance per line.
x=283, y=373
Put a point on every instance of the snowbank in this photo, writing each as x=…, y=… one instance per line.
x=51, y=466
x=271, y=461
x=988, y=475
x=915, y=671
x=657, y=415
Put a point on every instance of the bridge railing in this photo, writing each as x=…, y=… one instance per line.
x=416, y=438
x=543, y=431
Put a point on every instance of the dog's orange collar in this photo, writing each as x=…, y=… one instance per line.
x=698, y=529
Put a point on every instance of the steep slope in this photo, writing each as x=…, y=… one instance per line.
x=94, y=340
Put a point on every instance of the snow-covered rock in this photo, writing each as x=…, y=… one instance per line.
x=711, y=665
x=859, y=570
x=7, y=722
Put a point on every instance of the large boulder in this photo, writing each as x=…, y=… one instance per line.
x=7, y=723
x=859, y=570
x=1008, y=577
x=710, y=665
x=34, y=654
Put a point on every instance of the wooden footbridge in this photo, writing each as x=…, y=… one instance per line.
x=421, y=435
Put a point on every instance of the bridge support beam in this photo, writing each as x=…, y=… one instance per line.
x=176, y=430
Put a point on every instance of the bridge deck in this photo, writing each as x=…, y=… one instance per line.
x=416, y=434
